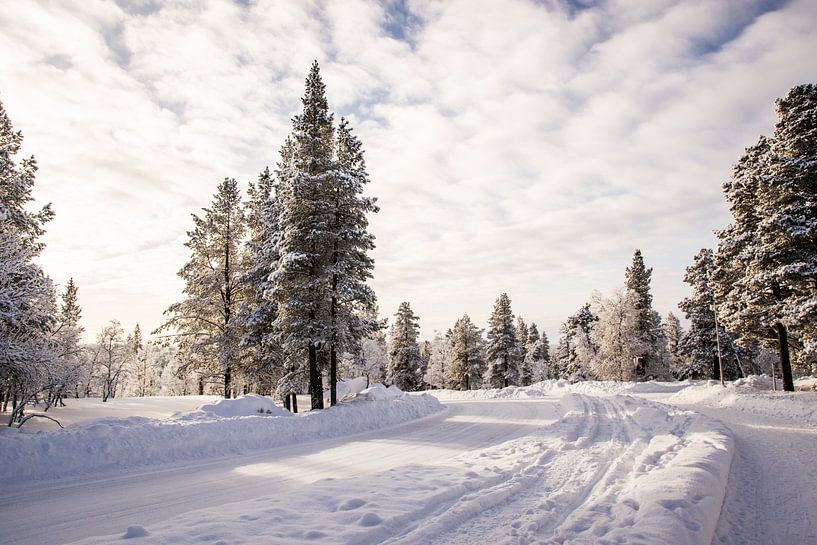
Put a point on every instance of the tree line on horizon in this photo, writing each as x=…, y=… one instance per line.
x=276, y=299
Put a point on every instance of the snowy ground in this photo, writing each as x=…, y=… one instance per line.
x=552, y=463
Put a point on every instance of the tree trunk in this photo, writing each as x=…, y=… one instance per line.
x=228, y=379
x=467, y=373
x=716, y=368
x=294, y=402
x=333, y=376
x=785, y=362
x=315, y=383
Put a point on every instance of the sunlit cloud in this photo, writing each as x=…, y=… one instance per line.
x=516, y=146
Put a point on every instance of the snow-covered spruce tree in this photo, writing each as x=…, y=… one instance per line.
x=207, y=317
x=503, y=352
x=699, y=345
x=579, y=349
x=319, y=285
x=767, y=257
x=27, y=297
x=28, y=355
x=404, y=352
x=525, y=373
x=351, y=300
x=788, y=232
x=534, y=368
x=16, y=185
x=673, y=332
x=301, y=284
x=425, y=361
x=467, y=357
x=68, y=335
x=652, y=360
x=548, y=368
x=262, y=358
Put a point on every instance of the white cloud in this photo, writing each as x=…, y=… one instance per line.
x=514, y=146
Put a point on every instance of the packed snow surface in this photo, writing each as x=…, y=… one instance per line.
x=551, y=463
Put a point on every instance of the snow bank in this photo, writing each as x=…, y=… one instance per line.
x=534, y=391
x=752, y=395
x=215, y=429
x=248, y=405
x=560, y=387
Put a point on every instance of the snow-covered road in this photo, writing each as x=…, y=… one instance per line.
x=62, y=512
x=772, y=493
x=545, y=464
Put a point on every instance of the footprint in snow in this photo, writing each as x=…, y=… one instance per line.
x=135, y=531
x=370, y=519
x=351, y=504
x=632, y=504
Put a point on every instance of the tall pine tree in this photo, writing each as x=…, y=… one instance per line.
x=323, y=304
x=533, y=367
x=503, y=347
x=264, y=358
x=302, y=281
x=27, y=297
x=651, y=357
x=206, y=321
x=405, y=360
x=699, y=345
x=767, y=257
x=467, y=358
x=351, y=300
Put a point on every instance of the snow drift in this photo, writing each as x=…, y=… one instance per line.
x=225, y=427
x=751, y=395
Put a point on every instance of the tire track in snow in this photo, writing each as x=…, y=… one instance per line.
x=587, y=488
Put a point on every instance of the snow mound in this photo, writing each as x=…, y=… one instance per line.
x=378, y=392
x=248, y=405
x=226, y=427
x=752, y=395
x=347, y=389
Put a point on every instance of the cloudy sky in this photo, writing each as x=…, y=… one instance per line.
x=520, y=146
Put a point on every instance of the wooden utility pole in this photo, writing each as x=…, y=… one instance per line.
x=718, y=342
